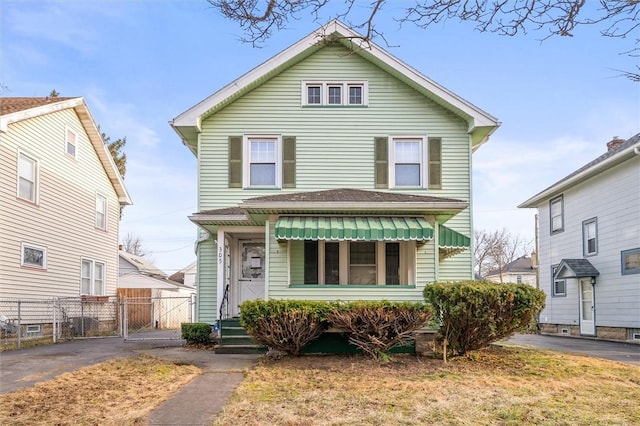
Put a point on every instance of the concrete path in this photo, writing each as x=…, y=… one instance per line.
x=628, y=353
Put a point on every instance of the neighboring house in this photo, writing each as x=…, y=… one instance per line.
x=60, y=200
x=331, y=171
x=521, y=271
x=589, y=247
x=186, y=276
x=137, y=273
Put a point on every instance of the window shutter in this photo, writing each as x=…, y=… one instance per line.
x=235, y=161
x=381, y=159
x=289, y=162
x=435, y=163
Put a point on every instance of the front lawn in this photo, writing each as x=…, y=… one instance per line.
x=499, y=385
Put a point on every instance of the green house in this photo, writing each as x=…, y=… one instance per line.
x=332, y=171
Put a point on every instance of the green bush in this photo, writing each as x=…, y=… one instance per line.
x=284, y=325
x=475, y=313
x=378, y=326
x=196, y=332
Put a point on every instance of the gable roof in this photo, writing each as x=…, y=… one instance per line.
x=480, y=123
x=627, y=150
x=575, y=268
x=13, y=110
x=142, y=265
x=522, y=265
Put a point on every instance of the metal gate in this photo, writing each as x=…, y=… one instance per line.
x=156, y=318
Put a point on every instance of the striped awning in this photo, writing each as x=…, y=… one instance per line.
x=361, y=228
x=450, y=239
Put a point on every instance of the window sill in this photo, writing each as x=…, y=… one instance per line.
x=335, y=106
x=382, y=286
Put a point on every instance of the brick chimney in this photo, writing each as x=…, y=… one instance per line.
x=614, y=143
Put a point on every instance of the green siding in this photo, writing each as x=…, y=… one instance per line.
x=334, y=148
x=297, y=261
x=207, y=286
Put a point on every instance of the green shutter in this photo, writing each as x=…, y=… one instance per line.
x=381, y=162
x=289, y=162
x=435, y=163
x=235, y=161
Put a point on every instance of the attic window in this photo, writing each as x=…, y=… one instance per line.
x=335, y=93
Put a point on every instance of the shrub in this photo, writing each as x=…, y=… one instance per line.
x=196, y=332
x=475, y=313
x=377, y=327
x=284, y=325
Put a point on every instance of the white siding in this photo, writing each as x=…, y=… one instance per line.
x=63, y=221
x=613, y=198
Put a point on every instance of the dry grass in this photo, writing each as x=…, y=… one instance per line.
x=121, y=391
x=503, y=386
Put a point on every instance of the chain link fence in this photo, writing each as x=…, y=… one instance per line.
x=31, y=322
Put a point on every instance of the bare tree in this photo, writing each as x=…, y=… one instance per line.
x=612, y=18
x=494, y=250
x=132, y=244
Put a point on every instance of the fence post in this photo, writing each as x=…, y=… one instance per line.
x=193, y=308
x=19, y=324
x=125, y=326
x=53, y=325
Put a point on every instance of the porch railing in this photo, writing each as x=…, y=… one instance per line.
x=224, y=307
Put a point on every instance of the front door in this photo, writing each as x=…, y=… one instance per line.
x=251, y=270
x=587, y=308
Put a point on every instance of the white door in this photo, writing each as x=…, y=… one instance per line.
x=252, y=269
x=587, y=308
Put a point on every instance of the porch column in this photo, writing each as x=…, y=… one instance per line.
x=220, y=273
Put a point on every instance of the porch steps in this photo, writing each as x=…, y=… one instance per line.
x=235, y=340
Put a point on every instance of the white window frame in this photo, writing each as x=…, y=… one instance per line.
x=105, y=204
x=554, y=281
x=344, y=85
x=623, y=257
x=43, y=249
x=246, y=159
x=423, y=160
x=67, y=142
x=92, y=277
x=560, y=201
x=36, y=177
x=588, y=226
x=407, y=262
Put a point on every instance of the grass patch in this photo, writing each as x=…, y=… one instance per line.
x=121, y=391
x=498, y=385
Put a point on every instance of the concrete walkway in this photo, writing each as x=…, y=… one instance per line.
x=194, y=404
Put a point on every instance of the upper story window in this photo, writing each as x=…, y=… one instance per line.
x=33, y=256
x=27, y=178
x=407, y=165
x=354, y=93
x=590, y=237
x=263, y=161
x=101, y=212
x=71, y=143
x=556, y=214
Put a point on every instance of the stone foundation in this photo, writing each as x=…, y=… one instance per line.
x=603, y=333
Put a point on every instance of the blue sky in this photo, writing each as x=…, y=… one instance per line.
x=139, y=64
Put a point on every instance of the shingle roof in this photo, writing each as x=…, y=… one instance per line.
x=11, y=105
x=522, y=264
x=142, y=265
x=588, y=170
x=348, y=195
x=579, y=268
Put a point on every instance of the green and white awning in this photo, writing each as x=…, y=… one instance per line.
x=363, y=228
x=450, y=239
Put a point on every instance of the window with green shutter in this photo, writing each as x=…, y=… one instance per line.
x=235, y=161
x=289, y=162
x=381, y=158
x=435, y=163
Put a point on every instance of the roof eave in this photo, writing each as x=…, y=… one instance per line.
x=562, y=185
x=305, y=206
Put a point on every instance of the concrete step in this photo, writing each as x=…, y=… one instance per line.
x=236, y=340
x=240, y=349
